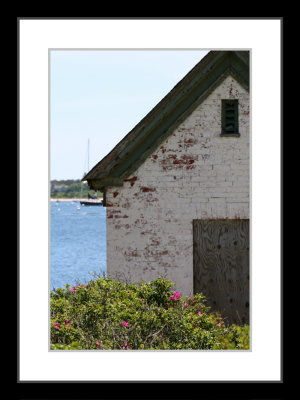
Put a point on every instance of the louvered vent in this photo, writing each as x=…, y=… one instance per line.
x=230, y=109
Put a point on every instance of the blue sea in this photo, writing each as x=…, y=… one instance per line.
x=78, y=243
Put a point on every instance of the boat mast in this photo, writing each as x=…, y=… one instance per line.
x=88, y=154
x=88, y=165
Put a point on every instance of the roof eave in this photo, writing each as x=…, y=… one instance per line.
x=114, y=167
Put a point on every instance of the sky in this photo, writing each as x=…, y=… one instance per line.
x=98, y=96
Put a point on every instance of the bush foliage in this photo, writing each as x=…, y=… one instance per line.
x=109, y=315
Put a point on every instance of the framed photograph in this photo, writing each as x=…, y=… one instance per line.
x=176, y=139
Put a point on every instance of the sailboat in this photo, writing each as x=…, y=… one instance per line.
x=91, y=200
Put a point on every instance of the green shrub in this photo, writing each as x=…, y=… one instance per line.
x=110, y=315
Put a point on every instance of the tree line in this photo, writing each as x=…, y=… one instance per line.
x=71, y=188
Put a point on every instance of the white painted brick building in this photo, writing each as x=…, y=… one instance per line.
x=176, y=166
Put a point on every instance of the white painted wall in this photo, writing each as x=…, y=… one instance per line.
x=194, y=174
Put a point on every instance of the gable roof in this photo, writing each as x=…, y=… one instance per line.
x=172, y=110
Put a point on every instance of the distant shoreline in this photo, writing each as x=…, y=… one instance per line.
x=64, y=199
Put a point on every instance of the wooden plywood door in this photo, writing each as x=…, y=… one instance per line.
x=221, y=266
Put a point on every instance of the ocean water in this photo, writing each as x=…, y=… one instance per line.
x=78, y=243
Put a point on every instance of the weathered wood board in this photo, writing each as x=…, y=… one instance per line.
x=221, y=266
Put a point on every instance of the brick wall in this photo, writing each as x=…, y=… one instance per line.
x=194, y=174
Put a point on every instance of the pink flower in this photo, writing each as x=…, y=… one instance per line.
x=199, y=312
x=99, y=344
x=185, y=305
x=57, y=325
x=126, y=324
x=67, y=322
x=176, y=296
x=73, y=289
